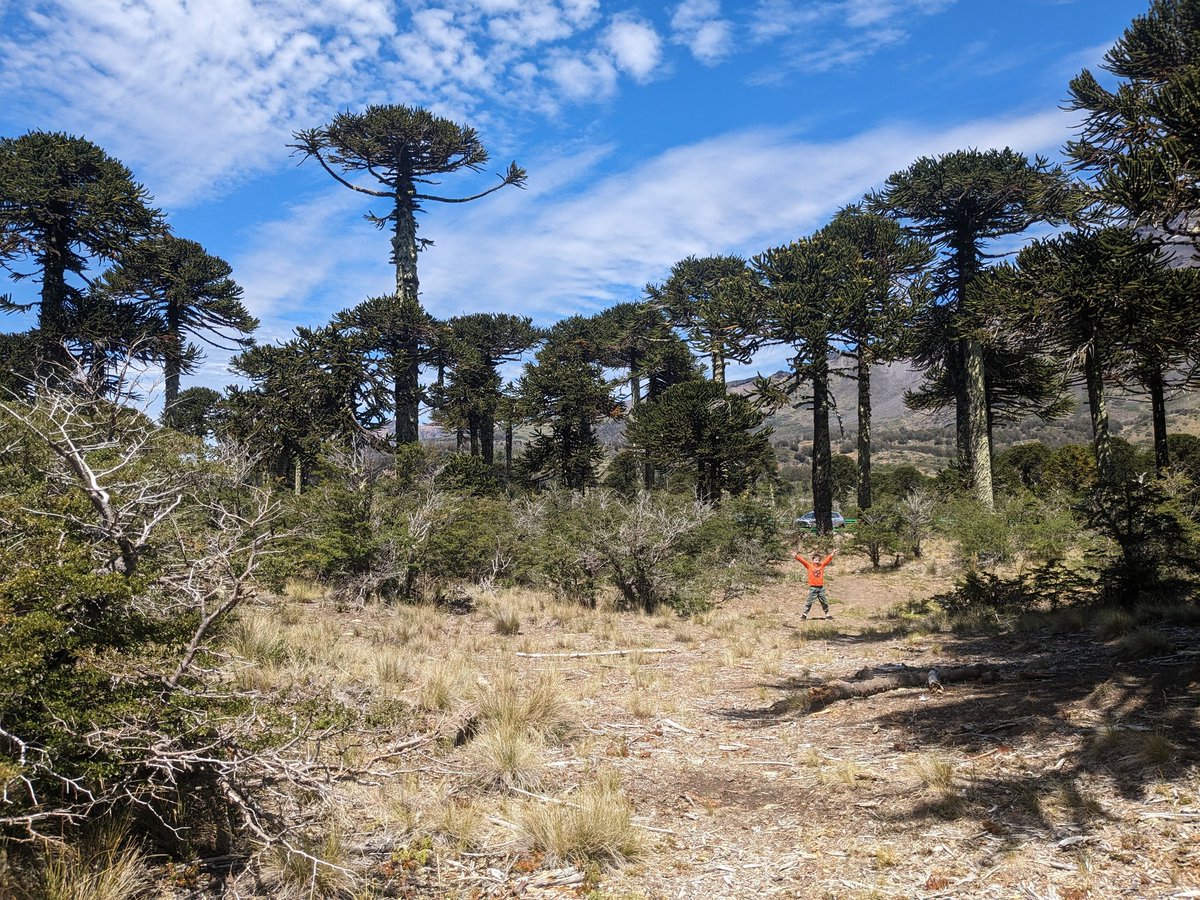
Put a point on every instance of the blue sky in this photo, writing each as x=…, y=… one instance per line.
x=650, y=131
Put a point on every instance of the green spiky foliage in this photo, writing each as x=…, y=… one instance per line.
x=888, y=295
x=316, y=388
x=803, y=299
x=470, y=394
x=195, y=412
x=1107, y=302
x=396, y=336
x=1141, y=141
x=65, y=203
x=697, y=427
x=565, y=394
x=188, y=293
x=402, y=149
x=711, y=299
x=962, y=203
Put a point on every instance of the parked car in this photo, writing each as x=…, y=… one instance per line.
x=809, y=520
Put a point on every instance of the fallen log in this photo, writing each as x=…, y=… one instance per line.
x=582, y=654
x=867, y=684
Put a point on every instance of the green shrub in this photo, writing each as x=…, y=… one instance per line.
x=879, y=532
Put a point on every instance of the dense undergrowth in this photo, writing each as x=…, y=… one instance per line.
x=133, y=672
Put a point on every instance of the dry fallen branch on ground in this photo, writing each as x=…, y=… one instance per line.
x=582, y=654
x=868, y=682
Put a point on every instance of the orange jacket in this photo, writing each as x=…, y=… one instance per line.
x=816, y=571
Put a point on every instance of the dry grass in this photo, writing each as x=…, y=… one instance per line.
x=294, y=875
x=1144, y=643
x=594, y=825
x=540, y=707
x=1109, y=624
x=935, y=772
x=504, y=754
x=445, y=683
x=301, y=590
x=462, y=823
x=99, y=867
x=505, y=617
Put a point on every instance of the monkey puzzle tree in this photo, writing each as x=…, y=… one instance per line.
x=394, y=334
x=64, y=202
x=1141, y=142
x=1163, y=342
x=564, y=390
x=712, y=300
x=310, y=390
x=637, y=337
x=477, y=345
x=1108, y=304
x=803, y=303
x=960, y=203
x=1072, y=293
x=885, y=297
x=188, y=292
x=402, y=148
x=697, y=426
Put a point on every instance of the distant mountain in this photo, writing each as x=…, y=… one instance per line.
x=927, y=439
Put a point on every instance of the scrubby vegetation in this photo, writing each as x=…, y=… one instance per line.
x=275, y=645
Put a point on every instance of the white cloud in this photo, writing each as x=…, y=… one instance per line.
x=593, y=240
x=196, y=97
x=635, y=46
x=698, y=25
x=577, y=78
x=833, y=33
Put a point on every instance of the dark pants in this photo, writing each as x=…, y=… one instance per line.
x=816, y=593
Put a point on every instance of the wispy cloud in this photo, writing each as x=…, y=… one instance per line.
x=586, y=239
x=833, y=34
x=198, y=96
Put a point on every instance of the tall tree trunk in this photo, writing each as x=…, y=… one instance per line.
x=460, y=438
x=864, y=427
x=981, y=457
x=487, y=436
x=52, y=312
x=508, y=448
x=408, y=371
x=822, y=466
x=1158, y=409
x=718, y=363
x=297, y=475
x=1098, y=407
x=473, y=429
x=173, y=357
x=962, y=409
x=635, y=392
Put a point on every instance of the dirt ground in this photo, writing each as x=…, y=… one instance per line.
x=1070, y=774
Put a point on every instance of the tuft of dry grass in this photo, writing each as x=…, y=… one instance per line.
x=99, y=867
x=1144, y=643
x=322, y=869
x=504, y=754
x=541, y=706
x=935, y=772
x=302, y=590
x=445, y=683
x=462, y=822
x=256, y=636
x=596, y=825
x=505, y=618
x=1109, y=624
